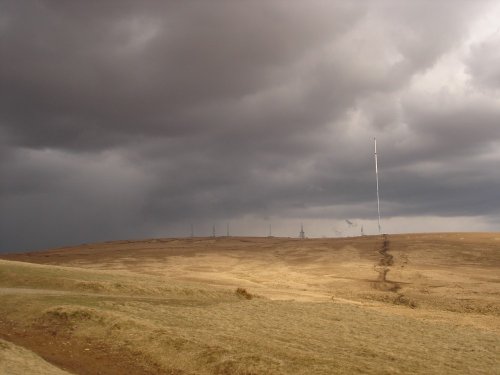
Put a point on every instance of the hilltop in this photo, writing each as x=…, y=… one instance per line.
x=412, y=303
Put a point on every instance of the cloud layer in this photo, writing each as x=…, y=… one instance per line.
x=123, y=119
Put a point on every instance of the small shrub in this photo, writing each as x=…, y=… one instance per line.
x=401, y=299
x=242, y=292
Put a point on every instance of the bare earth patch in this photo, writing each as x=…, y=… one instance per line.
x=15, y=360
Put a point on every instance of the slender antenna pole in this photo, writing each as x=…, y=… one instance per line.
x=376, y=174
x=227, y=232
x=192, y=230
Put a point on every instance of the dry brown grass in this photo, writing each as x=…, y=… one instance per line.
x=170, y=306
x=15, y=360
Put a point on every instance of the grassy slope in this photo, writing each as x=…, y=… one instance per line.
x=15, y=360
x=167, y=324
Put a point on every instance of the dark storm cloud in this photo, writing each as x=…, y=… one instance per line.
x=88, y=74
x=119, y=119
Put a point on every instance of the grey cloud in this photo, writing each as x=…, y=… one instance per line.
x=84, y=77
x=53, y=198
x=90, y=74
x=118, y=119
x=484, y=62
x=460, y=129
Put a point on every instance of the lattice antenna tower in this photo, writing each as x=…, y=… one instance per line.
x=302, y=235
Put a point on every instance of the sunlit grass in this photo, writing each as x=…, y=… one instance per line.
x=199, y=327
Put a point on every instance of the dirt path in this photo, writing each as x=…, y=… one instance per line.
x=72, y=353
x=384, y=266
x=76, y=355
x=16, y=360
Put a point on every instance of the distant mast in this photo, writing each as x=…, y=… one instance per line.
x=302, y=235
x=376, y=175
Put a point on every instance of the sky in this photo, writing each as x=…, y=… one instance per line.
x=137, y=119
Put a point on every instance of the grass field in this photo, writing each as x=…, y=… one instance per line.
x=400, y=304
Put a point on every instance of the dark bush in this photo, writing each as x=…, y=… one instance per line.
x=242, y=292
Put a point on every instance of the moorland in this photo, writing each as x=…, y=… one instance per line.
x=389, y=304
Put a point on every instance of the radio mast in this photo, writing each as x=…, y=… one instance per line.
x=376, y=175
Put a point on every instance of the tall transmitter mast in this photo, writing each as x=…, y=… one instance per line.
x=376, y=175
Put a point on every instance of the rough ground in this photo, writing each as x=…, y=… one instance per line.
x=420, y=303
x=15, y=360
